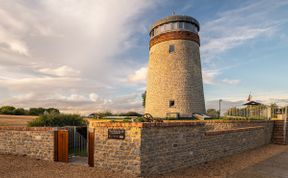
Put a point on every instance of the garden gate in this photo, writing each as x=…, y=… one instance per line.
x=77, y=141
x=61, y=146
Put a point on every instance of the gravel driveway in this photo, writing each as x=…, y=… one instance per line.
x=19, y=166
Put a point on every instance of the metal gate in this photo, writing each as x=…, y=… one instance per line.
x=77, y=141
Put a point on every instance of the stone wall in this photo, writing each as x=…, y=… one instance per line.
x=165, y=149
x=117, y=155
x=155, y=148
x=279, y=136
x=34, y=142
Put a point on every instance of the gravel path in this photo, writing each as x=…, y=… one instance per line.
x=24, y=167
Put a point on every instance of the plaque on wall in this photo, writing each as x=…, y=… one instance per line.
x=116, y=134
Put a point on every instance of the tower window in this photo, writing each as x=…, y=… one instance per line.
x=171, y=103
x=171, y=48
x=181, y=24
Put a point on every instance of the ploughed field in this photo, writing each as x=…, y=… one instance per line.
x=12, y=120
x=19, y=166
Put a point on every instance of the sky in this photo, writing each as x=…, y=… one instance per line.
x=92, y=55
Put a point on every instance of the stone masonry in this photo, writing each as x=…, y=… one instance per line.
x=177, y=77
x=117, y=155
x=156, y=148
x=279, y=136
x=34, y=142
x=174, y=76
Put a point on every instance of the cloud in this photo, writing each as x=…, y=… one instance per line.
x=139, y=75
x=248, y=23
x=223, y=43
x=9, y=39
x=57, y=54
x=62, y=71
x=235, y=27
x=209, y=76
x=231, y=82
x=93, y=97
x=76, y=97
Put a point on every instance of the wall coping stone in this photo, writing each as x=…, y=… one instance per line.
x=220, y=132
x=173, y=123
x=22, y=128
x=145, y=124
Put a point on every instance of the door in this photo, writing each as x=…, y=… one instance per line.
x=62, y=146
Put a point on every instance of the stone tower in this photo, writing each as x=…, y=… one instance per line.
x=174, y=83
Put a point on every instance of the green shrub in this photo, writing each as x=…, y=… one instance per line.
x=139, y=119
x=130, y=113
x=57, y=120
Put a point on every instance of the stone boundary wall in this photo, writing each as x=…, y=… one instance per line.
x=279, y=137
x=117, y=155
x=35, y=142
x=156, y=148
x=165, y=149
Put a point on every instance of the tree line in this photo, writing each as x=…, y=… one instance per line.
x=11, y=110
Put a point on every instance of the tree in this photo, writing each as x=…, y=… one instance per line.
x=7, y=109
x=20, y=111
x=144, y=99
x=53, y=110
x=36, y=111
x=212, y=112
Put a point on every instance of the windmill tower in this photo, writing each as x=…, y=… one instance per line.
x=174, y=83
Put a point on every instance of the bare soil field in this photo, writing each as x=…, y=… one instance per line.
x=12, y=120
x=19, y=166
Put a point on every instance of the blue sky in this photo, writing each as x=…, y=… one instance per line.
x=92, y=55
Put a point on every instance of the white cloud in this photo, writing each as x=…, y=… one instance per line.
x=93, y=97
x=209, y=76
x=56, y=53
x=139, y=75
x=231, y=82
x=9, y=43
x=237, y=27
x=228, y=41
x=76, y=97
x=62, y=71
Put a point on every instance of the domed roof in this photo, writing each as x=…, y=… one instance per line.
x=176, y=18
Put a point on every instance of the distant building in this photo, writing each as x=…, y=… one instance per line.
x=174, y=84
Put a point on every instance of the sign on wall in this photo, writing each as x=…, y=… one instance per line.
x=116, y=134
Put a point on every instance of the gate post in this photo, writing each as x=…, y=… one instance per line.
x=285, y=125
x=55, y=144
x=91, y=138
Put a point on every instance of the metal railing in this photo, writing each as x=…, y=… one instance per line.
x=77, y=142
